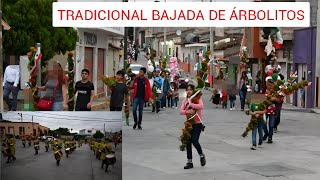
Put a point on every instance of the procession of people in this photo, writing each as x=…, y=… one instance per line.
x=102, y=148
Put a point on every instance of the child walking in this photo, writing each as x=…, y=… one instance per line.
x=232, y=99
x=224, y=99
x=259, y=115
x=175, y=95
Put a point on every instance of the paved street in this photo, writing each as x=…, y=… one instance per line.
x=81, y=165
x=153, y=153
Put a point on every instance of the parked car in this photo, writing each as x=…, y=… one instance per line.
x=183, y=79
x=43, y=138
x=135, y=68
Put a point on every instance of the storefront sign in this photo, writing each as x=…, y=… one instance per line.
x=90, y=39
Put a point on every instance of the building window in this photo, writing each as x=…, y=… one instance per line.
x=21, y=131
x=11, y=130
x=89, y=131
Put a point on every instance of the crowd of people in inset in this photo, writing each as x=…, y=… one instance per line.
x=55, y=88
x=102, y=147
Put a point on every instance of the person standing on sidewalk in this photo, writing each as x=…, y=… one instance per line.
x=141, y=93
x=56, y=84
x=242, y=86
x=118, y=93
x=10, y=84
x=85, y=90
x=196, y=128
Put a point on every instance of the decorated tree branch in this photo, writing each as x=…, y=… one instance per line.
x=203, y=71
x=190, y=120
x=279, y=90
x=33, y=68
x=70, y=79
x=151, y=68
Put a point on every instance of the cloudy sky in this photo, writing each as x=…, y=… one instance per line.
x=70, y=120
x=153, y=0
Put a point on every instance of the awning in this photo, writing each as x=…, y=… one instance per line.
x=5, y=25
x=114, y=46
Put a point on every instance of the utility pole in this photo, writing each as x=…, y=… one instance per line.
x=125, y=44
x=1, y=61
x=104, y=129
x=38, y=47
x=211, y=50
x=165, y=43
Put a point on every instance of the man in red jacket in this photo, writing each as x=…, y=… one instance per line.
x=141, y=94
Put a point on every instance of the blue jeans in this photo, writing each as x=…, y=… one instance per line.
x=195, y=135
x=242, y=95
x=174, y=102
x=8, y=88
x=271, y=118
x=232, y=103
x=138, y=101
x=163, y=100
x=57, y=106
x=258, y=127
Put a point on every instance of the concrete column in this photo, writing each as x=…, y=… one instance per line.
x=95, y=69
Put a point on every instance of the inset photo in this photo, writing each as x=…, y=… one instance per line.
x=61, y=145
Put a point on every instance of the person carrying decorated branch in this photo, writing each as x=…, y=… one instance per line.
x=141, y=93
x=271, y=111
x=158, y=82
x=189, y=108
x=118, y=92
x=259, y=115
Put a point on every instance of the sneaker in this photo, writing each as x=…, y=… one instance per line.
x=231, y=109
x=188, y=166
x=139, y=127
x=134, y=126
x=176, y=107
x=265, y=137
x=242, y=109
x=275, y=130
x=253, y=147
x=203, y=160
x=172, y=107
x=260, y=146
x=269, y=141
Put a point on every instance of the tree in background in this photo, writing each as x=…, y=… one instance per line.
x=60, y=132
x=98, y=135
x=31, y=23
